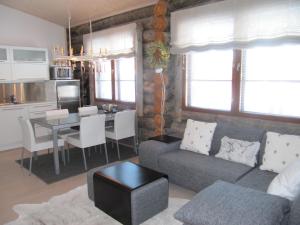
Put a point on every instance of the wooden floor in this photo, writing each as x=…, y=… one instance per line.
x=16, y=186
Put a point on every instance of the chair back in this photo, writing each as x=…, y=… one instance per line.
x=124, y=124
x=27, y=133
x=92, y=130
x=88, y=110
x=57, y=114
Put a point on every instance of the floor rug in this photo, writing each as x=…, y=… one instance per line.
x=75, y=208
x=43, y=167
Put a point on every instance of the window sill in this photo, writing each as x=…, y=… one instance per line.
x=244, y=115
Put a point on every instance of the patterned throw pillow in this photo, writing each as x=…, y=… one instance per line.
x=280, y=151
x=239, y=151
x=198, y=136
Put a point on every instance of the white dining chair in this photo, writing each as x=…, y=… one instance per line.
x=92, y=133
x=61, y=114
x=63, y=133
x=88, y=110
x=124, y=127
x=35, y=144
x=57, y=114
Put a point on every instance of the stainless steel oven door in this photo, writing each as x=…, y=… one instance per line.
x=72, y=106
x=68, y=90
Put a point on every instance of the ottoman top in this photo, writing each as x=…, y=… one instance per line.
x=128, y=175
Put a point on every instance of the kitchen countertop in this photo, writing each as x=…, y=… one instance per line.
x=9, y=105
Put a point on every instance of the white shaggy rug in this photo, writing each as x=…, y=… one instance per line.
x=75, y=208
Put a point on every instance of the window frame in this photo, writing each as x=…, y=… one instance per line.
x=236, y=96
x=113, y=89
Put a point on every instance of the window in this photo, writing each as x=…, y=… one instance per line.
x=268, y=83
x=209, y=80
x=271, y=81
x=125, y=79
x=103, y=79
x=115, y=80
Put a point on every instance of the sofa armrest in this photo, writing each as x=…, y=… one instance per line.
x=149, y=152
x=295, y=212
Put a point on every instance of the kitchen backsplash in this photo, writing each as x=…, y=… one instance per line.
x=28, y=92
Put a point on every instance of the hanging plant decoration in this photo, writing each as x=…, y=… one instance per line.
x=158, y=55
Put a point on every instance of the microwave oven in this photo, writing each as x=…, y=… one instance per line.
x=61, y=73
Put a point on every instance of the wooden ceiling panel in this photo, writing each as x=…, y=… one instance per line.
x=57, y=11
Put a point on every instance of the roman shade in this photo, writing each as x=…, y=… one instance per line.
x=113, y=42
x=235, y=24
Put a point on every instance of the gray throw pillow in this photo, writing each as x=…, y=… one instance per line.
x=228, y=204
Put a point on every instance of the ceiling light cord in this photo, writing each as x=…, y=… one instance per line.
x=70, y=42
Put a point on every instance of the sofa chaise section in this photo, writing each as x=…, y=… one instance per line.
x=228, y=204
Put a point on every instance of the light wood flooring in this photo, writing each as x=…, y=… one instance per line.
x=17, y=187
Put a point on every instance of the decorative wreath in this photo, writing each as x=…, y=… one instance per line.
x=158, y=55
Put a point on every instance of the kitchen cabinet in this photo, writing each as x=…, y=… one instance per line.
x=29, y=55
x=5, y=64
x=23, y=63
x=30, y=63
x=38, y=111
x=27, y=71
x=10, y=130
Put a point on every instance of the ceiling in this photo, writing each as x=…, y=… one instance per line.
x=57, y=11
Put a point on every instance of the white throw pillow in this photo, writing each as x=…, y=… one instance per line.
x=198, y=136
x=280, y=151
x=239, y=151
x=287, y=183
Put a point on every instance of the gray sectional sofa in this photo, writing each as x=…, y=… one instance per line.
x=197, y=171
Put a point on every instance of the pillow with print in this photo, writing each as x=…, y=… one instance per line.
x=280, y=151
x=244, y=152
x=198, y=136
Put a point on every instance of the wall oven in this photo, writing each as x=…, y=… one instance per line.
x=68, y=94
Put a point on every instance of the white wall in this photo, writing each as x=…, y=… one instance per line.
x=21, y=29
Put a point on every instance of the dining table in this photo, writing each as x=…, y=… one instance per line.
x=57, y=124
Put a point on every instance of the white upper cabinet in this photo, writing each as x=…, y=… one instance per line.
x=29, y=55
x=5, y=64
x=23, y=63
x=3, y=54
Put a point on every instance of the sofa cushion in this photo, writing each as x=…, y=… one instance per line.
x=232, y=130
x=227, y=204
x=295, y=209
x=291, y=130
x=198, y=136
x=257, y=179
x=240, y=151
x=280, y=151
x=287, y=183
x=149, y=152
x=197, y=171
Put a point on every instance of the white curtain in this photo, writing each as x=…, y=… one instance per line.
x=235, y=24
x=115, y=42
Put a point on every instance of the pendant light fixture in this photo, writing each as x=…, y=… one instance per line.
x=59, y=52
